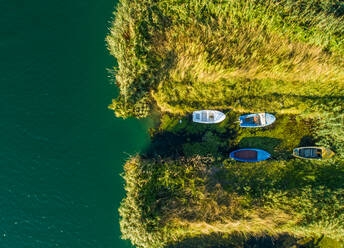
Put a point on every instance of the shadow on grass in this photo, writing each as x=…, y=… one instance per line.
x=264, y=143
x=268, y=103
x=180, y=136
x=331, y=175
x=238, y=241
x=307, y=141
x=165, y=145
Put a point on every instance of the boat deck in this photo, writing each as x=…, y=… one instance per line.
x=310, y=153
x=208, y=116
x=246, y=154
x=252, y=120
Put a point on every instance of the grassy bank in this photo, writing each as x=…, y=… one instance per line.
x=184, y=186
x=285, y=57
x=169, y=201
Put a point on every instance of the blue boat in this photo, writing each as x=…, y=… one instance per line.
x=250, y=155
x=256, y=120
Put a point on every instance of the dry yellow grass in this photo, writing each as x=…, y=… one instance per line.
x=216, y=67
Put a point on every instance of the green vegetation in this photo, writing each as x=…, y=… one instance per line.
x=189, y=139
x=280, y=56
x=331, y=130
x=179, y=196
x=171, y=200
x=284, y=56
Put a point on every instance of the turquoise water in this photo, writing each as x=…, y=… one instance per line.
x=61, y=149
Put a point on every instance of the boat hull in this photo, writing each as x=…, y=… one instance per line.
x=208, y=116
x=257, y=120
x=313, y=152
x=250, y=155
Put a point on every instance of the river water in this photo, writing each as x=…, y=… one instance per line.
x=61, y=149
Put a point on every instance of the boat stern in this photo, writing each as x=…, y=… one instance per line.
x=231, y=155
x=196, y=116
x=296, y=152
x=241, y=120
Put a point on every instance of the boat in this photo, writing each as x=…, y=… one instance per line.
x=208, y=116
x=250, y=155
x=256, y=120
x=313, y=152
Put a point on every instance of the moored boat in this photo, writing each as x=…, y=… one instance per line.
x=249, y=155
x=256, y=120
x=208, y=116
x=313, y=152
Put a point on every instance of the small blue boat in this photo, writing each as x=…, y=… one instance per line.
x=256, y=120
x=250, y=155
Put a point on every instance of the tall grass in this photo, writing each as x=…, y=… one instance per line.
x=171, y=200
x=180, y=52
x=280, y=56
x=330, y=131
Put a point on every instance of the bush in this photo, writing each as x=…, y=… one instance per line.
x=330, y=131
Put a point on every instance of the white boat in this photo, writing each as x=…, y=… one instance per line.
x=208, y=116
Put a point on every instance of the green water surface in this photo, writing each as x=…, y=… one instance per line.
x=61, y=149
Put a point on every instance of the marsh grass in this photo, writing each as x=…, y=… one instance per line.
x=330, y=131
x=182, y=195
x=187, y=138
x=286, y=55
x=171, y=200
